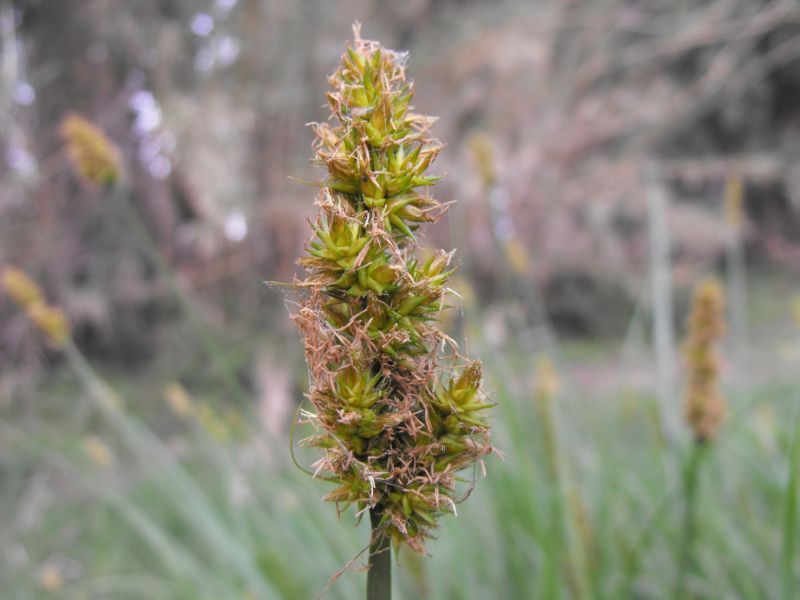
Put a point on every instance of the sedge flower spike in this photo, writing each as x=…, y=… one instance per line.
x=704, y=404
x=396, y=417
x=26, y=294
x=94, y=157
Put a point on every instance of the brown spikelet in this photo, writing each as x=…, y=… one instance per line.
x=94, y=157
x=704, y=404
x=396, y=418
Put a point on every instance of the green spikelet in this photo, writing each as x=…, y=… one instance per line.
x=396, y=417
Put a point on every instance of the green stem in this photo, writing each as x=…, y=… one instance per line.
x=790, y=516
x=379, y=576
x=689, y=525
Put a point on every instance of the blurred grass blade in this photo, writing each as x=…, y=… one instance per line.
x=790, y=515
x=175, y=558
x=183, y=490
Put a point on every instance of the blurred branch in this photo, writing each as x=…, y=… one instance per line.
x=704, y=34
x=722, y=75
x=764, y=167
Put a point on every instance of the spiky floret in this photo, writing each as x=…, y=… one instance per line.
x=704, y=405
x=396, y=418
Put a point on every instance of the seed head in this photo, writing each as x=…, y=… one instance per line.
x=734, y=201
x=94, y=157
x=20, y=288
x=704, y=405
x=396, y=418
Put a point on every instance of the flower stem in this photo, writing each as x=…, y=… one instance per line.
x=379, y=576
x=689, y=528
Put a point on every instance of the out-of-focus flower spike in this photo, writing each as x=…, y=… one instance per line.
x=51, y=321
x=94, y=157
x=704, y=404
x=20, y=288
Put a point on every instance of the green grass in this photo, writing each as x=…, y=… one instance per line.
x=183, y=516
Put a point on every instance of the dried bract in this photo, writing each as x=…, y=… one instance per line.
x=20, y=288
